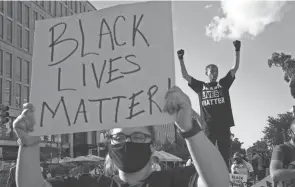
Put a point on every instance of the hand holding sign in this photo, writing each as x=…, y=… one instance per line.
x=178, y=103
x=24, y=123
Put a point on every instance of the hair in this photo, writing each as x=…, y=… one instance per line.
x=156, y=159
x=209, y=67
x=110, y=168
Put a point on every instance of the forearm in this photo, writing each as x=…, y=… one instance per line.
x=208, y=161
x=283, y=175
x=237, y=61
x=184, y=72
x=28, y=172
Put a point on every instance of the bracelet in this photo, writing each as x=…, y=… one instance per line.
x=193, y=131
x=27, y=145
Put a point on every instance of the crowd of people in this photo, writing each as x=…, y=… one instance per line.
x=130, y=161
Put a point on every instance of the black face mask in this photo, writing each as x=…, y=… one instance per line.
x=130, y=157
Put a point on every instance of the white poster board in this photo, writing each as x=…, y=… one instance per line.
x=237, y=180
x=103, y=69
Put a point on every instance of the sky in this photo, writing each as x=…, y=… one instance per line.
x=205, y=30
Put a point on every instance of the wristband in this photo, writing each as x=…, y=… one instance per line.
x=193, y=131
x=237, y=50
x=27, y=145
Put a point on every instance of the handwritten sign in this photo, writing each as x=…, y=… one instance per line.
x=237, y=180
x=103, y=69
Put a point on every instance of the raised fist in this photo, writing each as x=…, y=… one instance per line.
x=237, y=45
x=180, y=53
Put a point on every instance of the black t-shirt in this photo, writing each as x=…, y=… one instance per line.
x=178, y=177
x=214, y=101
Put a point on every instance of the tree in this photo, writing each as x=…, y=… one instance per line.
x=283, y=61
x=236, y=145
x=276, y=131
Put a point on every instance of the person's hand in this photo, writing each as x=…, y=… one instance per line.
x=237, y=45
x=180, y=53
x=179, y=104
x=24, y=124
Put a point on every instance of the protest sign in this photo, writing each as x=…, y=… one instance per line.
x=237, y=180
x=103, y=69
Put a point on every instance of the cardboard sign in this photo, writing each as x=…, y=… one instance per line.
x=237, y=180
x=103, y=69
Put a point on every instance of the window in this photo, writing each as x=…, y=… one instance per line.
x=8, y=65
x=54, y=7
x=42, y=4
x=1, y=63
x=19, y=36
x=2, y=6
x=7, y=93
x=81, y=7
x=27, y=16
x=9, y=30
x=60, y=9
x=26, y=71
x=26, y=94
x=1, y=27
x=18, y=68
x=9, y=8
x=18, y=88
x=93, y=136
x=76, y=6
x=35, y=17
x=64, y=138
x=65, y=11
x=19, y=11
x=27, y=40
x=49, y=6
x=71, y=5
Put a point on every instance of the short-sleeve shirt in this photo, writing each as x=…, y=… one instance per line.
x=243, y=169
x=184, y=177
x=286, y=154
x=214, y=101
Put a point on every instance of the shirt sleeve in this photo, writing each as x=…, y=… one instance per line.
x=227, y=81
x=250, y=168
x=186, y=176
x=196, y=85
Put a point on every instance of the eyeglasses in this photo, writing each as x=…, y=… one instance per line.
x=136, y=137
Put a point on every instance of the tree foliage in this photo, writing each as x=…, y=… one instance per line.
x=283, y=61
x=276, y=131
x=236, y=145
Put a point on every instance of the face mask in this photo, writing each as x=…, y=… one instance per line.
x=130, y=157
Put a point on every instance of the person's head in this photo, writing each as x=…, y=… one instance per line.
x=212, y=72
x=130, y=148
x=237, y=158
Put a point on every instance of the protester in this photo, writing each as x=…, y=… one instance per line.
x=215, y=102
x=258, y=161
x=155, y=164
x=282, y=157
x=11, y=178
x=130, y=151
x=240, y=166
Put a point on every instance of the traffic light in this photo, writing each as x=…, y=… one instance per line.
x=4, y=114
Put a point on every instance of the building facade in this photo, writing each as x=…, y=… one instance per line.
x=17, y=24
